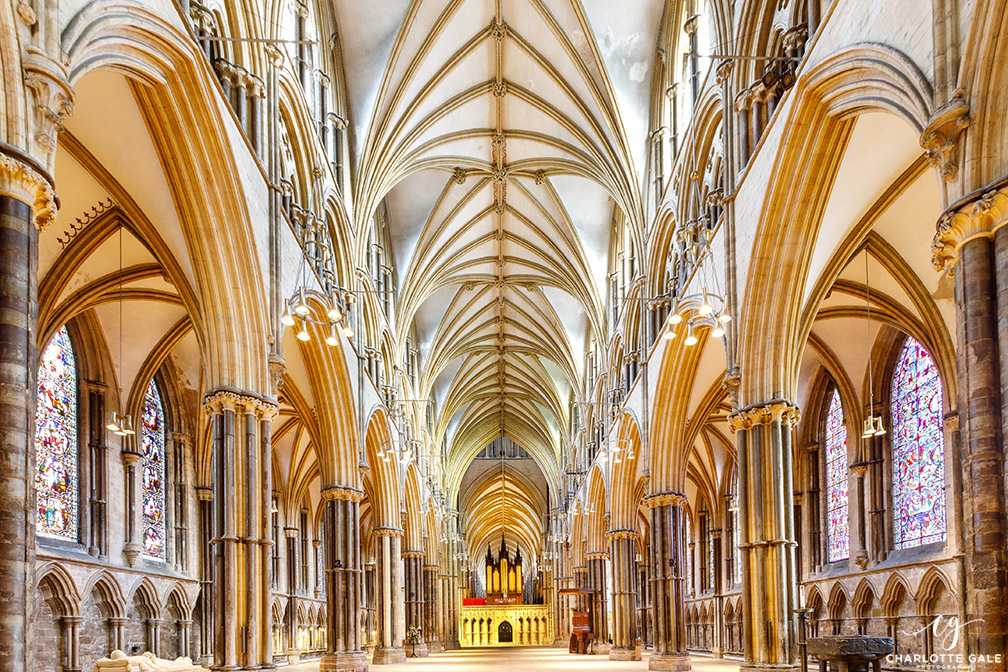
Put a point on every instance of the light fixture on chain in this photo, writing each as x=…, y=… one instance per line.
x=873, y=423
x=326, y=307
x=120, y=423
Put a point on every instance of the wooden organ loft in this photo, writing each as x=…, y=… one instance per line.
x=504, y=576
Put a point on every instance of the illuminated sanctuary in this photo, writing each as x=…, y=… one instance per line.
x=465, y=334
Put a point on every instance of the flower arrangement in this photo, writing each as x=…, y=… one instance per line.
x=413, y=634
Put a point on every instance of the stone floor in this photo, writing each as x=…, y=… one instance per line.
x=524, y=659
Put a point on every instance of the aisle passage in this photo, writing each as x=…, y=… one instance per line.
x=525, y=659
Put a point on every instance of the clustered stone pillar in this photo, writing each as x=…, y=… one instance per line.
x=430, y=578
x=131, y=461
x=71, y=643
x=389, y=649
x=343, y=580
x=561, y=612
x=973, y=236
x=241, y=529
x=413, y=562
x=597, y=582
x=449, y=587
x=767, y=538
x=668, y=605
x=623, y=554
x=21, y=187
x=204, y=498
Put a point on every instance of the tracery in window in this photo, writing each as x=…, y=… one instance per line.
x=153, y=474
x=56, y=457
x=838, y=530
x=918, y=446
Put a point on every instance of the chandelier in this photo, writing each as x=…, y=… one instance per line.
x=705, y=308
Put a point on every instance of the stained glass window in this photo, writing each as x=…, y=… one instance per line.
x=838, y=530
x=918, y=447
x=56, y=457
x=153, y=475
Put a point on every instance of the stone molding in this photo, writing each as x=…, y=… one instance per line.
x=413, y=554
x=622, y=534
x=668, y=498
x=775, y=410
x=342, y=493
x=224, y=399
x=49, y=82
x=979, y=217
x=24, y=183
x=597, y=555
x=387, y=531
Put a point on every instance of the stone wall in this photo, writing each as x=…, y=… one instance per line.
x=93, y=634
x=46, y=637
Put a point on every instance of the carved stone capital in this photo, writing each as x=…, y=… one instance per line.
x=342, y=493
x=941, y=134
x=388, y=531
x=776, y=410
x=980, y=217
x=49, y=83
x=223, y=399
x=744, y=100
x=669, y=498
x=21, y=181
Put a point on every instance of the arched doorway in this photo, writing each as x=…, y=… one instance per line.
x=504, y=632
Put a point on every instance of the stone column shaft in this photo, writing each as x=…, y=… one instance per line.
x=241, y=624
x=413, y=563
x=983, y=288
x=767, y=542
x=343, y=577
x=668, y=606
x=622, y=554
x=389, y=601
x=597, y=581
x=430, y=573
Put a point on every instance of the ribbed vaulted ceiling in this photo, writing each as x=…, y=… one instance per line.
x=501, y=134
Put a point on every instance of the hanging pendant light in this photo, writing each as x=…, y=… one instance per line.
x=691, y=338
x=334, y=312
x=676, y=316
x=126, y=425
x=705, y=308
x=717, y=331
x=669, y=334
x=303, y=334
x=332, y=339
x=301, y=308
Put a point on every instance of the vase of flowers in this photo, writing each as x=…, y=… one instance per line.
x=412, y=638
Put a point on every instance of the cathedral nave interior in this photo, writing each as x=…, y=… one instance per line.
x=337, y=334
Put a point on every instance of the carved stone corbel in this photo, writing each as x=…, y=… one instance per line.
x=941, y=134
